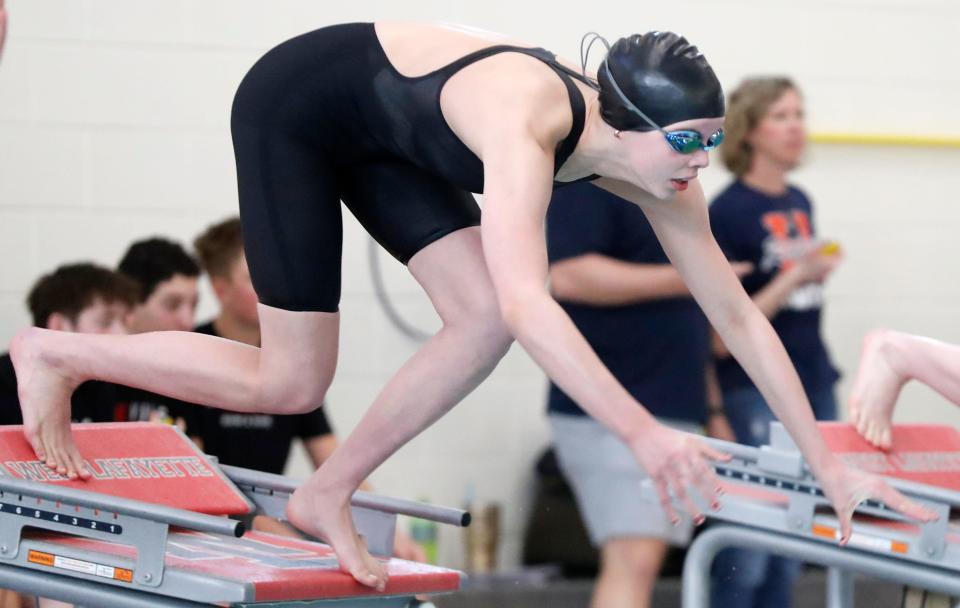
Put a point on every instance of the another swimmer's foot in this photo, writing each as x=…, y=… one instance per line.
x=876, y=388
x=44, y=388
x=324, y=514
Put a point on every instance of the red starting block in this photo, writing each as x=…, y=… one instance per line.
x=774, y=503
x=155, y=463
x=260, y=567
x=924, y=453
x=772, y=487
x=140, y=532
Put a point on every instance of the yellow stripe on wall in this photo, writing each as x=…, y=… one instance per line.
x=869, y=139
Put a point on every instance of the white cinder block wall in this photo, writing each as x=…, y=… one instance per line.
x=114, y=126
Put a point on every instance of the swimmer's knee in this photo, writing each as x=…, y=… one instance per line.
x=488, y=332
x=296, y=394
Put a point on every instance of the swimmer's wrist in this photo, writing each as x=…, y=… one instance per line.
x=827, y=465
x=638, y=426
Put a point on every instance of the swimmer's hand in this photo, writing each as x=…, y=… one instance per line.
x=846, y=487
x=676, y=461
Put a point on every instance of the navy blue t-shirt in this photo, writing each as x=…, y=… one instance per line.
x=769, y=231
x=657, y=349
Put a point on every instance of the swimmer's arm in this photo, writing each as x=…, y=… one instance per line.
x=769, y=301
x=518, y=185
x=683, y=227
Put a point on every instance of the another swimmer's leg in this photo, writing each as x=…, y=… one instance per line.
x=890, y=359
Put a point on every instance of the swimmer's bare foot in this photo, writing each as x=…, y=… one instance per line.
x=44, y=389
x=876, y=388
x=326, y=515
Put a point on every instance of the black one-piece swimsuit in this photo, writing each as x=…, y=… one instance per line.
x=325, y=117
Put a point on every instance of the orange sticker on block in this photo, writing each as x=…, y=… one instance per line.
x=36, y=557
x=824, y=531
x=861, y=541
x=123, y=575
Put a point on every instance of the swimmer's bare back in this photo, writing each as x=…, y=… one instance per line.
x=474, y=100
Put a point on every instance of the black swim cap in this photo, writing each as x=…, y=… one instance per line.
x=663, y=75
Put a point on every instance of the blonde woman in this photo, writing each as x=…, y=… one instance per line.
x=763, y=219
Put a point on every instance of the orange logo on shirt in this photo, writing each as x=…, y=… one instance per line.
x=790, y=238
x=790, y=235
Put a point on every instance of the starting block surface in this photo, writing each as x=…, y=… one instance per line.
x=257, y=567
x=143, y=461
x=921, y=453
x=924, y=453
x=775, y=503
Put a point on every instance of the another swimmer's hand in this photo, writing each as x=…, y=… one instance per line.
x=846, y=487
x=676, y=461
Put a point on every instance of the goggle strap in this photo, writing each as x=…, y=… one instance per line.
x=626, y=101
x=585, y=47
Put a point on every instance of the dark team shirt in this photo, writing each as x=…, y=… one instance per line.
x=256, y=441
x=96, y=401
x=9, y=401
x=657, y=349
x=771, y=231
x=88, y=399
x=129, y=404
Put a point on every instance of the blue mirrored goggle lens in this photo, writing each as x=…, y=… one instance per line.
x=688, y=142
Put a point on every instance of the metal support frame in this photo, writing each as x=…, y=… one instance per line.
x=779, y=468
x=375, y=517
x=805, y=528
x=700, y=556
x=839, y=588
x=143, y=526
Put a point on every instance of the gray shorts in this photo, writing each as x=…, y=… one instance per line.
x=606, y=480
